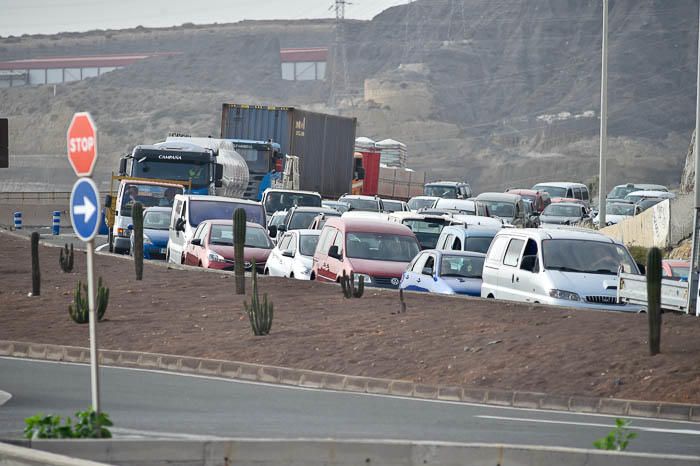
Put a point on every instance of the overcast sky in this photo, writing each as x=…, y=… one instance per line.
x=19, y=17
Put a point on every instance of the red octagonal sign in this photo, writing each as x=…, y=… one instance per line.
x=82, y=144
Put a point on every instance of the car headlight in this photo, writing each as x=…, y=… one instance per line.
x=214, y=257
x=304, y=270
x=366, y=278
x=562, y=294
x=147, y=240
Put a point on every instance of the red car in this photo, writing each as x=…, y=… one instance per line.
x=378, y=250
x=212, y=246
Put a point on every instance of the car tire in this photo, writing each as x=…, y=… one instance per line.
x=490, y=296
x=291, y=275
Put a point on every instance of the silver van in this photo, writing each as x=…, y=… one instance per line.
x=557, y=266
x=566, y=190
x=189, y=210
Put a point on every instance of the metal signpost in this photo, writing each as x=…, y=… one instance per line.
x=694, y=272
x=85, y=214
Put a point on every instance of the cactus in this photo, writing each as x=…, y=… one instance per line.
x=36, y=272
x=66, y=258
x=79, y=310
x=347, y=283
x=260, y=314
x=239, y=227
x=654, y=299
x=402, y=307
x=137, y=218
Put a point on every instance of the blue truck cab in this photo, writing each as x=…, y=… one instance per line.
x=264, y=159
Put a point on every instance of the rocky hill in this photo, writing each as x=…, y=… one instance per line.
x=498, y=93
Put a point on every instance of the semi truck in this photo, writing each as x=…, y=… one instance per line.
x=211, y=166
x=268, y=137
x=372, y=178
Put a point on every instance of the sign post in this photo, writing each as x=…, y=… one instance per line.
x=85, y=212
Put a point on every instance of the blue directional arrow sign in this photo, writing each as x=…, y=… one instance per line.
x=85, y=209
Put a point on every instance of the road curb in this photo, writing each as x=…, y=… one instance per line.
x=349, y=383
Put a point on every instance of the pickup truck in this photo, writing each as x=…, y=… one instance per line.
x=632, y=288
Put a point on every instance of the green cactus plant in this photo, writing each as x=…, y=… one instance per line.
x=259, y=314
x=137, y=218
x=36, y=270
x=239, y=231
x=347, y=283
x=65, y=259
x=79, y=310
x=654, y=299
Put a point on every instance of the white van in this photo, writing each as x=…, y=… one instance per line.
x=189, y=210
x=557, y=266
x=565, y=189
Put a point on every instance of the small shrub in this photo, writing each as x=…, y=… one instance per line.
x=88, y=425
x=618, y=439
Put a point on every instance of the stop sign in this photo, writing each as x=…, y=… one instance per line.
x=82, y=144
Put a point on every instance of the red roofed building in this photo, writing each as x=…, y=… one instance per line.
x=304, y=64
x=56, y=70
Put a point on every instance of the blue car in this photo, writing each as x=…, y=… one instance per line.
x=445, y=272
x=156, y=222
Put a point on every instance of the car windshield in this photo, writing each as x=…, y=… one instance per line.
x=501, y=209
x=201, y=210
x=448, y=192
x=557, y=210
x=156, y=220
x=286, y=200
x=646, y=203
x=553, y=191
x=307, y=244
x=620, y=209
x=461, y=266
x=392, y=206
x=369, y=205
x=634, y=198
x=586, y=256
x=427, y=231
x=222, y=235
x=477, y=244
x=619, y=192
x=278, y=220
x=339, y=206
x=460, y=206
x=381, y=247
x=302, y=220
x=417, y=204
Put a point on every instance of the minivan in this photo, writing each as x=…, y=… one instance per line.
x=191, y=209
x=565, y=189
x=563, y=267
x=448, y=189
x=378, y=251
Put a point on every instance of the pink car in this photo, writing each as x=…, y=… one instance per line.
x=212, y=246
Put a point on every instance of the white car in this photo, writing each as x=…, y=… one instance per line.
x=293, y=255
x=562, y=267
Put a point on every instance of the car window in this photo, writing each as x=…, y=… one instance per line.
x=430, y=262
x=419, y=263
x=584, y=193
x=339, y=242
x=198, y=233
x=457, y=244
x=284, y=242
x=498, y=246
x=513, y=252
x=326, y=240
x=477, y=244
x=292, y=243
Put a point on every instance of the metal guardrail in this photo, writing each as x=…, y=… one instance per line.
x=35, y=196
x=632, y=288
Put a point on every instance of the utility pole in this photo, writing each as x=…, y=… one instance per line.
x=694, y=256
x=339, y=72
x=602, y=182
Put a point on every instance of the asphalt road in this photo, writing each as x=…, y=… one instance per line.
x=143, y=403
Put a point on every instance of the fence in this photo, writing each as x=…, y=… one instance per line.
x=34, y=196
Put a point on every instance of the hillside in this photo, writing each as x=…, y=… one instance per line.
x=498, y=93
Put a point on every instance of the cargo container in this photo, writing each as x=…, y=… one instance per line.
x=324, y=143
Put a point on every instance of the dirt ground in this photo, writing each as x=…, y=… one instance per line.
x=475, y=343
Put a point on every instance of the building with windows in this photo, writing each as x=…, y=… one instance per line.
x=307, y=64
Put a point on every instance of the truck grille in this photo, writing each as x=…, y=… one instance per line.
x=602, y=300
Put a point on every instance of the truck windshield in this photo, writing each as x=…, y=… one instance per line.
x=381, y=247
x=258, y=160
x=449, y=192
x=275, y=201
x=148, y=195
x=586, y=256
x=182, y=170
x=201, y=210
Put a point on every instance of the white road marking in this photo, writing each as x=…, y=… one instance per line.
x=591, y=424
x=100, y=248
x=4, y=397
x=135, y=433
x=349, y=393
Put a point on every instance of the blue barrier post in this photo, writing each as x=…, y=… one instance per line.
x=18, y=220
x=56, y=226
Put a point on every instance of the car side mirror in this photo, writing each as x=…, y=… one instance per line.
x=287, y=253
x=272, y=230
x=180, y=224
x=530, y=263
x=122, y=166
x=108, y=201
x=196, y=242
x=428, y=271
x=334, y=252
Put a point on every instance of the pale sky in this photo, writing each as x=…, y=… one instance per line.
x=19, y=17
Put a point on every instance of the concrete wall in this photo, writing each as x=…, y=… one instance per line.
x=663, y=225
x=12, y=455
x=263, y=452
